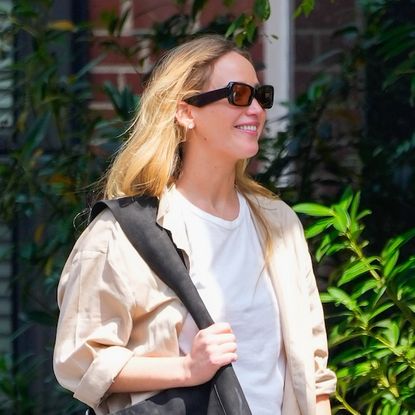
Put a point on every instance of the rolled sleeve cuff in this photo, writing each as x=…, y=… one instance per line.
x=101, y=374
x=325, y=382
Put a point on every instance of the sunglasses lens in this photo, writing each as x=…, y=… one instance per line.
x=241, y=94
x=265, y=96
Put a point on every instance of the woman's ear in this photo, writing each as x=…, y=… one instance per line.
x=184, y=115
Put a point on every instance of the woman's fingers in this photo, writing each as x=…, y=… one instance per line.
x=212, y=348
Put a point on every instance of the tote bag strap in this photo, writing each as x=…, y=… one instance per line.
x=137, y=218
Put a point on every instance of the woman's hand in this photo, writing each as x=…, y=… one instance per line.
x=212, y=348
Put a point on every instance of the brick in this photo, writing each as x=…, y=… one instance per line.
x=106, y=114
x=256, y=52
x=98, y=80
x=329, y=14
x=134, y=81
x=330, y=44
x=112, y=57
x=118, y=77
x=305, y=48
x=146, y=13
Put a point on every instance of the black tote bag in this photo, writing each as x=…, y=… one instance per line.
x=223, y=394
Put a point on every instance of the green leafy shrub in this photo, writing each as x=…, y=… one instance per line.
x=371, y=310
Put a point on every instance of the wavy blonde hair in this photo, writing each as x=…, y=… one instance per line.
x=150, y=159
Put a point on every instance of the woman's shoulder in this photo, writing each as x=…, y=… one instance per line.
x=97, y=235
x=274, y=208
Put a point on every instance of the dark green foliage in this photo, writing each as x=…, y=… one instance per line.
x=371, y=303
x=356, y=126
x=355, y=123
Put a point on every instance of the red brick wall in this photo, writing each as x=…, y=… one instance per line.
x=313, y=37
x=144, y=14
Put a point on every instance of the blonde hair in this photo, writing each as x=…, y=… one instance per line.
x=150, y=159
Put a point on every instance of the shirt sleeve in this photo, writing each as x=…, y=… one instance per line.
x=325, y=379
x=96, y=318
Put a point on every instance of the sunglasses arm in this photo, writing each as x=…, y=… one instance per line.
x=207, y=97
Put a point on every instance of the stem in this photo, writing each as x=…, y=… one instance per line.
x=346, y=405
x=410, y=362
x=406, y=311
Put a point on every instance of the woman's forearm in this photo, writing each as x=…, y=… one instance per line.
x=323, y=405
x=150, y=373
x=212, y=348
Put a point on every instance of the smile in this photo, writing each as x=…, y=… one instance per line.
x=251, y=128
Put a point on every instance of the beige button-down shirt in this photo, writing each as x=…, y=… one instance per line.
x=113, y=307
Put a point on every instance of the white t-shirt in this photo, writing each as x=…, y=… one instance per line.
x=227, y=267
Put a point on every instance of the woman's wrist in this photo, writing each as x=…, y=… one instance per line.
x=323, y=406
x=152, y=373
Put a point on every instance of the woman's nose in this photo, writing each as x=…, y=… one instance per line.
x=255, y=107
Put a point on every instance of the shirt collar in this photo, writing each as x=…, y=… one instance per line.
x=170, y=217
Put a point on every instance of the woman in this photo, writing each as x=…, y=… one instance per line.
x=122, y=332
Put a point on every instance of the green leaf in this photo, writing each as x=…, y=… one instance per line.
x=341, y=219
x=317, y=227
x=355, y=269
x=346, y=198
x=336, y=248
x=87, y=68
x=355, y=371
x=351, y=354
x=405, y=266
x=363, y=287
x=392, y=333
x=124, y=102
x=389, y=266
x=326, y=298
x=262, y=9
x=340, y=296
x=380, y=310
x=198, y=5
x=363, y=213
x=305, y=7
x=35, y=135
x=236, y=24
x=122, y=20
x=355, y=206
x=250, y=29
x=395, y=243
x=110, y=19
x=326, y=244
x=313, y=209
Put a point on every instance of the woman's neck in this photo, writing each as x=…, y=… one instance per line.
x=211, y=188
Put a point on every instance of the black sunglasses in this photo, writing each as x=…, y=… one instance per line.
x=238, y=94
